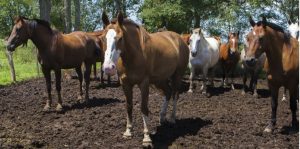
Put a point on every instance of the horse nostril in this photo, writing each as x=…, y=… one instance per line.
x=113, y=66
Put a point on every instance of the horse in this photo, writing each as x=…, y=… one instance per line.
x=252, y=70
x=282, y=52
x=186, y=38
x=229, y=57
x=204, y=55
x=141, y=58
x=98, y=34
x=56, y=51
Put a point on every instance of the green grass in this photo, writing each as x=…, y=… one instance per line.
x=24, y=62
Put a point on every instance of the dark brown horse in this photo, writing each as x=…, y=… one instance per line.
x=282, y=54
x=100, y=59
x=229, y=57
x=56, y=51
x=141, y=58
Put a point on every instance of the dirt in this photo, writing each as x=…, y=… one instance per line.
x=224, y=120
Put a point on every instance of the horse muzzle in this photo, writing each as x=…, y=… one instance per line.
x=109, y=69
x=193, y=54
x=11, y=47
x=251, y=62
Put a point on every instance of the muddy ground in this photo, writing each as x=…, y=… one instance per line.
x=225, y=120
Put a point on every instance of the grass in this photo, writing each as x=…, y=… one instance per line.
x=24, y=62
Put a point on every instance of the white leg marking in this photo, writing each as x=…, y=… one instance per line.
x=147, y=140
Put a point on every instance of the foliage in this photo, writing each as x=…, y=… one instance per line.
x=25, y=64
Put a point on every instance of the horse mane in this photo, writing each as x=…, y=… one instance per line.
x=277, y=28
x=32, y=23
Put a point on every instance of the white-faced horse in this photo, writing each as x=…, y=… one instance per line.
x=204, y=54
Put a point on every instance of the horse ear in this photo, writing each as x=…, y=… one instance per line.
x=17, y=19
x=251, y=21
x=290, y=22
x=264, y=21
x=105, y=19
x=120, y=18
x=191, y=30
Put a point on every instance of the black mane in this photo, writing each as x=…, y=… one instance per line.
x=273, y=26
x=35, y=21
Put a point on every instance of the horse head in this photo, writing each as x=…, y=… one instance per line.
x=114, y=42
x=255, y=39
x=20, y=34
x=195, y=41
x=233, y=39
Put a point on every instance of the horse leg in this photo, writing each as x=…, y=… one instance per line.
x=47, y=75
x=58, y=89
x=102, y=75
x=127, y=88
x=254, y=86
x=244, y=81
x=232, y=79
x=87, y=74
x=192, y=76
x=274, y=103
x=95, y=70
x=176, y=81
x=284, y=94
x=167, y=92
x=80, y=77
x=144, y=88
x=204, y=77
x=293, y=106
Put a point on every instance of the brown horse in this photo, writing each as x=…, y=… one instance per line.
x=229, y=57
x=141, y=58
x=100, y=59
x=282, y=54
x=186, y=38
x=56, y=51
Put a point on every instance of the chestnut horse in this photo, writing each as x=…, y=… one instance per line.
x=282, y=53
x=204, y=55
x=229, y=57
x=141, y=58
x=56, y=51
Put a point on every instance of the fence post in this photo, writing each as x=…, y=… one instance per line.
x=11, y=65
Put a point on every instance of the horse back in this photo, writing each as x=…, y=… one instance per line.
x=290, y=56
x=166, y=53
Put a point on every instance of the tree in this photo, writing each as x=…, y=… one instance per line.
x=68, y=20
x=77, y=15
x=45, y=9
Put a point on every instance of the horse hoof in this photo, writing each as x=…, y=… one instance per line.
x=163, y=121
x=172, y=121
x=283, y=98
x=255, y=95
x=80, y=97
x=127, y=135
x=269, y=129
x=243, y=93
x=46, y=108
x=59, y=108
x=190, y=91
x=147, y=142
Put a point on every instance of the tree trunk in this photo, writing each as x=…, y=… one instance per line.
x=67, y=7
x=45, y=9
x=77, y=15
x=197, y=20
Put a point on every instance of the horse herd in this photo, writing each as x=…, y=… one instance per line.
x=161, y=58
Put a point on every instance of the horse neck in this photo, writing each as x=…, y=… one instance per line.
x=133, y=52
x=275, y=51
x=41, y=38
x=203, y=43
